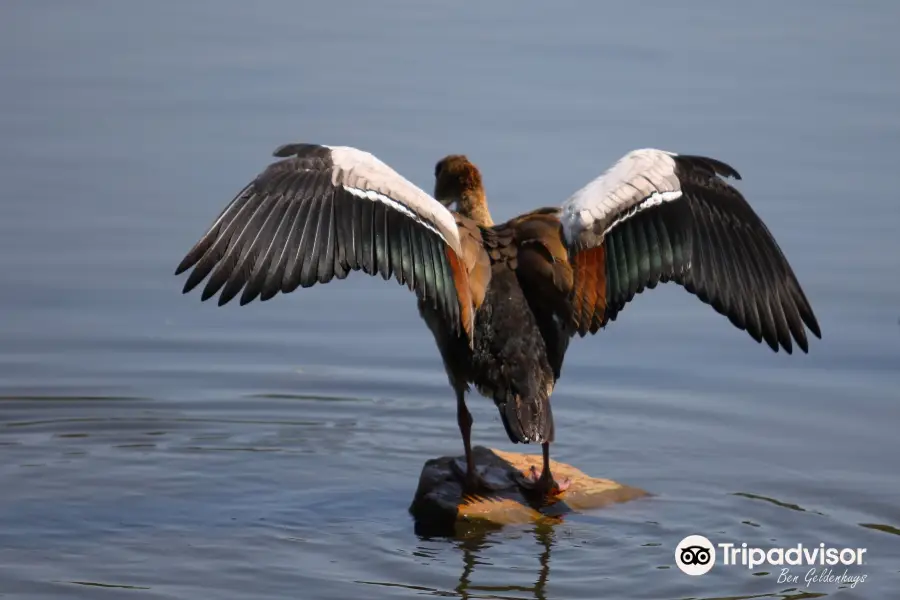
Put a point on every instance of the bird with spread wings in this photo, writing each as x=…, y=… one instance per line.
x=504, y=300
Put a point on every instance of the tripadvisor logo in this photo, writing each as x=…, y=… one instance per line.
x=696, y=555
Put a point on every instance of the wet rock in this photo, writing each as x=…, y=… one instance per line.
x=441, y=507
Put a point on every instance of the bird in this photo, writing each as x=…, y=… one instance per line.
x=504, y=300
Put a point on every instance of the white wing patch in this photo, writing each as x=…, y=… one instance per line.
x=365, y=176
x=398, y=206
x=639, y=180
x=655, y=199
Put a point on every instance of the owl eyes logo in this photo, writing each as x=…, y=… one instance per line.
x=695, y=555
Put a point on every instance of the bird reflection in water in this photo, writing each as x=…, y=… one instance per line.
x=472, y=547
x=473, y=543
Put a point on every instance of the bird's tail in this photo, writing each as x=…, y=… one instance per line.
x=510, y=353
x=527, y=418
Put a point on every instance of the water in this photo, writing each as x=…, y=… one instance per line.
x=157, y=447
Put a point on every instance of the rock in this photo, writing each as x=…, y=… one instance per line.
x=440, y=507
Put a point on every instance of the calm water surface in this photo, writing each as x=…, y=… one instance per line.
x=156, y=447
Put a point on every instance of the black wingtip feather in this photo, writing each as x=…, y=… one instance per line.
x=231, y=289
x=224, y=299
x=710, y=165
x=301, y=149
x=188, y=286
x=284, y=151
x=814, y=327
x=208, y=292
x=186, y=263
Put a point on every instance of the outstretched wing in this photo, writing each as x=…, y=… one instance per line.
x=321, y=213
x=657, y=216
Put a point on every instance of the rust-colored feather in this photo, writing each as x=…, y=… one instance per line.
x=475, y=258
x=590, y=289
x=583, y=303
x=461, y=282
x=471, y=270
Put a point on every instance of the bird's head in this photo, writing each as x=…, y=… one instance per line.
x=456, y=181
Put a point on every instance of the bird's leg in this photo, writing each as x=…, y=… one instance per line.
x=464, y=419
x=472, y=481
x=544, y=483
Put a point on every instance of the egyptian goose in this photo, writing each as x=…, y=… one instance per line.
x=503, y=300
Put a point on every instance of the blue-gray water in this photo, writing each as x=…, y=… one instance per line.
x=270, y=451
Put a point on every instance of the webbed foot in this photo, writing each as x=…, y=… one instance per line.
x=544, y=484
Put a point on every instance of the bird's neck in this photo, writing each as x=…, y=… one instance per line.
x=473, y=204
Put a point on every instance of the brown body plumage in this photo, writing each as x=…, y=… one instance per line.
x=520, y=271
x=503, y=300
